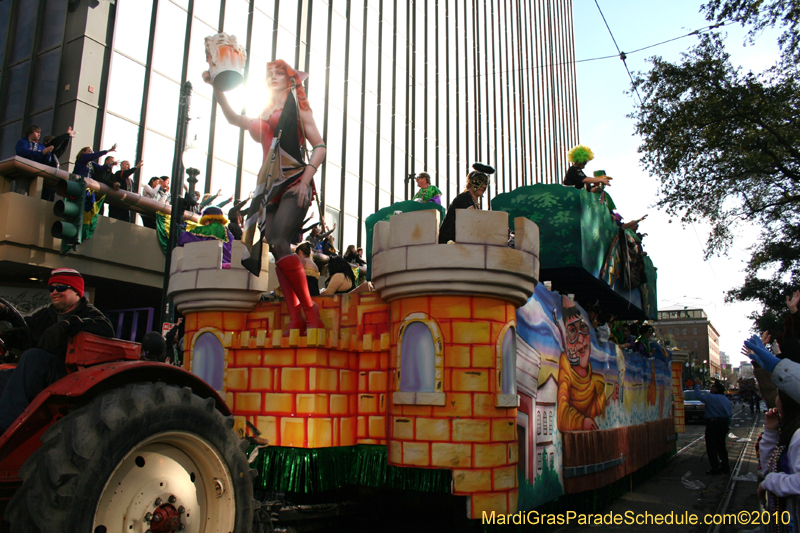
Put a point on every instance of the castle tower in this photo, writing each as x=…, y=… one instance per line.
x=452, y=361
x=216, y=303
x=320, y=390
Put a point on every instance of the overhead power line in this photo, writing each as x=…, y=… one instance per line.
x=622, y=55
x=619, y=55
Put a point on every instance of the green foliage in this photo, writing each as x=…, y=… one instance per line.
x=726, y=147
x=545, y=487
x=555, y=209
x=762, y=14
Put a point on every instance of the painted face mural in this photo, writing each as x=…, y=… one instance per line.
x=579, y=344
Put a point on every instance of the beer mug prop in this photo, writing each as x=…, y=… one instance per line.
x=226, y=59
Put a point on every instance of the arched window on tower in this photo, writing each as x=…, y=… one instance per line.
x=417, y=363
x=506, y=364
x=509, y=378
x=208, y=359
x=420, y=377
x=539, y=422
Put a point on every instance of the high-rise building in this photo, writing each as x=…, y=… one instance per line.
x=692, y=331
x=396, y=87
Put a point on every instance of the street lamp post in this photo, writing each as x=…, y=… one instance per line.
x=178, y=203
x=192, y=158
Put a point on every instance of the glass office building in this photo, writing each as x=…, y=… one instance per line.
x=396, y=87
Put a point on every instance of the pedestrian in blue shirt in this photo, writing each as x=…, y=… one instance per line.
x=29, y=148
x=718, y=420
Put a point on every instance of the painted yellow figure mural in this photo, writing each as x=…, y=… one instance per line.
x=581, y=392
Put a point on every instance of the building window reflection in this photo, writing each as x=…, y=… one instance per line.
x=456, y=81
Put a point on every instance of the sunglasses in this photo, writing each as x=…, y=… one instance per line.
x=577, y=328
x=58, y=288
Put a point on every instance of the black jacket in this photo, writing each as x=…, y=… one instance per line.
x=52, y=336
x=103, y=174
x=123, y=178
x=448, y=230
x=354, y=259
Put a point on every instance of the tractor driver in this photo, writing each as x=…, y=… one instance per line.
x=50, y=328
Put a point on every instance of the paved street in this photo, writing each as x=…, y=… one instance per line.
x=681, y=487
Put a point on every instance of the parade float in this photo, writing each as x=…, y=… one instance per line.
x=461, y=373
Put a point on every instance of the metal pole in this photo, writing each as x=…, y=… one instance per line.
x=176, y=220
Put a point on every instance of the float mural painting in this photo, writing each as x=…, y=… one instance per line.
x=582, y=385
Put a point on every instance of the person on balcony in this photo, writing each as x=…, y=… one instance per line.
x=29, y=148
x=328, y=248
x=319, y=233
x=85, y=160
x=50, y=328
x=122, y=181
x=153, y=191
x=427, y=192
x=578, y=157
x=104, y=173
x=470, y=198
x=236, y=218
x=208, y=199
x=59, y=143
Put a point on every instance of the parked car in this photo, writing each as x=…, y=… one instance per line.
x=693, y=408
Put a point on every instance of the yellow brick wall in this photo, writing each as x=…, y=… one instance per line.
x=306, y=391
x=335, y=389
x=467, y=434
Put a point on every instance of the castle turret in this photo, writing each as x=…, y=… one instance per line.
x=453, y=355
x=198, y=282
x=215, y=302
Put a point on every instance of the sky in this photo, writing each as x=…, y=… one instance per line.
x=684, y=277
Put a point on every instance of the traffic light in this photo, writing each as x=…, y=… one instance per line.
x=70, y=208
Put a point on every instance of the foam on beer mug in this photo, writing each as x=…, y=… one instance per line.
x=226, y=59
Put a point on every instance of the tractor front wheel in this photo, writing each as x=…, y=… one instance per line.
x=147, y=456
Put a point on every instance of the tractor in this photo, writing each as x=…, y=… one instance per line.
x=122, y=444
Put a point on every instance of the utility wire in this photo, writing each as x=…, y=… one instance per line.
x=695, y=32
x=622, y=55
x=546, y=65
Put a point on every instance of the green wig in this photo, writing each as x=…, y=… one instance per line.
x=580, y=154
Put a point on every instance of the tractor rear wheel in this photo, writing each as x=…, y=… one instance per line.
x=147, y=456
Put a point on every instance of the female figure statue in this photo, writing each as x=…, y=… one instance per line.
x=286, y=193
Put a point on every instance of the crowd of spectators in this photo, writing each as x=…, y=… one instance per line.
x=103, y=167
x=777, y=369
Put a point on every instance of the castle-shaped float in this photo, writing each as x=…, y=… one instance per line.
x=460, y=373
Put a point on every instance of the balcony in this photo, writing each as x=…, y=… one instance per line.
x=123, y=263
